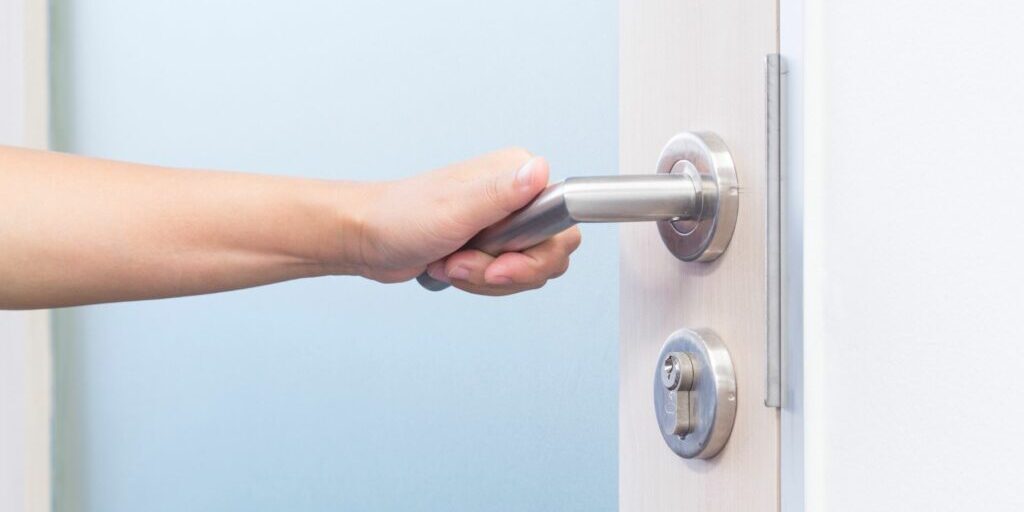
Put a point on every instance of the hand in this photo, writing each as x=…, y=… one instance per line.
x=114, y=231
x=417, y=223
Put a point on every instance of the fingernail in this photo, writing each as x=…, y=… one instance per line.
x=436, y=270
x=459, y=272
x=500, y=280
x=524, y=176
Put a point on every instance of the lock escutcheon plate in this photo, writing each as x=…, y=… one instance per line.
x=710, y=397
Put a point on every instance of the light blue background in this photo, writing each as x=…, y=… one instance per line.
x=340, y=394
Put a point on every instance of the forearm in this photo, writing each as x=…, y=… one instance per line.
x=77, y=230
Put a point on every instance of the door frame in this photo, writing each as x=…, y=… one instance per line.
x=792, y=451
x=26, y=391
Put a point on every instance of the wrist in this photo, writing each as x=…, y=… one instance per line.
x=348, y=234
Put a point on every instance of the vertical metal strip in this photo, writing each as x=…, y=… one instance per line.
x=773, y=235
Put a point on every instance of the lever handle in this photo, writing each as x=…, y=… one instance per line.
x=693, y=197
x=593, y=199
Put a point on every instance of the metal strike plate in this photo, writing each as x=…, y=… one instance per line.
x=695, y=393
x=773, y=234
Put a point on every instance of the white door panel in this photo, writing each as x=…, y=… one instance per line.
x=694, y=66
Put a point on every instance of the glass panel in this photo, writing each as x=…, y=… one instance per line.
x=340, y=394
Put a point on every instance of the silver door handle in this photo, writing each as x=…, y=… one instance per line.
x=693, y=197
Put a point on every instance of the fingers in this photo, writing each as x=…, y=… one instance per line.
x=505, y=192
x=480, y=273
x=467, y=266
x=489, y=188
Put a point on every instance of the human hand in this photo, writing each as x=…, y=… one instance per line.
x=418, y=223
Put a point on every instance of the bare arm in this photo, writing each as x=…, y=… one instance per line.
x=77, y=230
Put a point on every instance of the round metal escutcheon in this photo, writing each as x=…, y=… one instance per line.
x=711, y=397
x=706, y=160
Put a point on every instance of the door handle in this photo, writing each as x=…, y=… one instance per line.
x=693, y=197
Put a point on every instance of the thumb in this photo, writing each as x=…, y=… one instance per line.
x=499, y=194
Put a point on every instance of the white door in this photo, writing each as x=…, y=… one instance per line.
x=696, y=66
x=25, y=379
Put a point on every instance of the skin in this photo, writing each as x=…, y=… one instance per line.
x=77, y=230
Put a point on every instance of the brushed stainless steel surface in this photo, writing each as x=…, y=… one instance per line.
x=705, y=159
x=596, y=199
x=631, y=198
x=676, y=371
x=677, y=376
x=773, y=231
x=693, y=173
x=695, y=415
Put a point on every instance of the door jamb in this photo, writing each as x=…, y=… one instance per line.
x=793, y=493
x=26, y=390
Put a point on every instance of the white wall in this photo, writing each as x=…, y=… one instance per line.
x=914, y=286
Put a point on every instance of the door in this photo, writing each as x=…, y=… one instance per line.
x=25, y=380
x=696, y=66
